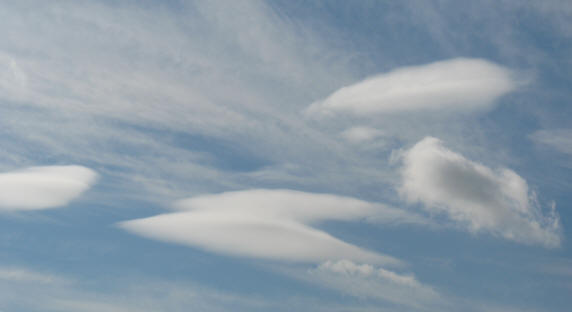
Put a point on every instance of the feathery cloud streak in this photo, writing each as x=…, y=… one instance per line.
x=558, y=139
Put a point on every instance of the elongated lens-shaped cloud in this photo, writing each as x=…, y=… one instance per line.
x=43, y=187
x=476, y=197
x=268, y=224
x=459, y=85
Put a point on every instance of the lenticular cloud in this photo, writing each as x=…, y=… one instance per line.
x=475, y=196
x=43, y=187
x=460, y=84
x=266, y=224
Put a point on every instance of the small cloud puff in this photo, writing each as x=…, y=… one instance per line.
x=460, y=84
x=278, y=221
x=475, y=196
x=369, y=281
x=43, y=187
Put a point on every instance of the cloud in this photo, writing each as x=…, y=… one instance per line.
x=476, y=197
x=126, y=97
x=13, y=81
x=368, y=281
x=361, y=134
x=22, y=275
x=460, y=84
x=558, y=139
x=24, y=289
x=347, y=267
x=64, y=293
x=279, y=221
x=43, y=187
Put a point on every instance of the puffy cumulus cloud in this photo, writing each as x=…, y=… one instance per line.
x=369, y=281
x=279, y=221
x=43, y=187
x=460, y=84
x=477, y=197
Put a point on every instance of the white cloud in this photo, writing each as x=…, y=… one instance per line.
x=361, y=134
x=43, y=187
x=477, y=197
x=368, y=281
x=350, y=268
x=460, y=84
x=279, y=221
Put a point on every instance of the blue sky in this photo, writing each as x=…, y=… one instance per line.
x=285, y=155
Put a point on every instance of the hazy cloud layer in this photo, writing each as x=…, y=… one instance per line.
x=278, y=220
x=477, y=197
x=160, y=102
x=24, y=289
x=457, y=85
x=43, y=187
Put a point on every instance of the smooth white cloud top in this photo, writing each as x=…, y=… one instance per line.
x=475, y=196
x=460, y=84
x=43, y=187
x=268, y=224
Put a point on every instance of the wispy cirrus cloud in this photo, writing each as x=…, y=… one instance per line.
x=478, y=198
x=43, y=187
x=138, y=97
x=558, y=139
x=25, y=289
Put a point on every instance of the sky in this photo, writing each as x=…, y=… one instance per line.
x=285, y=155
